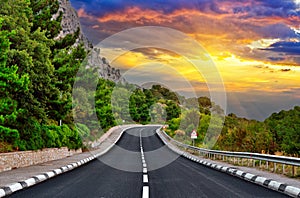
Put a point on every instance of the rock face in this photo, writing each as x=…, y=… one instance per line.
x=70, y=23
x=94, y=60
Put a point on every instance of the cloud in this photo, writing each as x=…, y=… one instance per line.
x=278, y=30
x=251, y=39
x=100, y=8
x=235, y=19
x=290, y=48
x=285, y=70
x=276, y=58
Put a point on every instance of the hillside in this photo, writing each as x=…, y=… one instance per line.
x=42, y=48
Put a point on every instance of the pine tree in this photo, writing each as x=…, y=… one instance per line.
x=49, y=68
x=11, y=84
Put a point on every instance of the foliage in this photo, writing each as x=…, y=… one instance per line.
x=36, y=76
x=279, y=132
x=103, y=104
x=37, y=73
x=11, y=84
x=284, y=128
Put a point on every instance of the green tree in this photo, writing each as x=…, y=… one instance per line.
x=44, y=10
x=103, y=104
x=34, y=60
x=139, y=108
x=11, y=84
x=284, y=127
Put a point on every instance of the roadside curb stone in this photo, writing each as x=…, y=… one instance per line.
x=265, y=182
x=11, y=188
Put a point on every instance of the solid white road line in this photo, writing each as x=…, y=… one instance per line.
x=145, y=192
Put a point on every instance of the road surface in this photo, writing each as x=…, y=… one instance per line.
x=141, y=164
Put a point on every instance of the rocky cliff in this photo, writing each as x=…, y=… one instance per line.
x=70, y=24
x=94, y=60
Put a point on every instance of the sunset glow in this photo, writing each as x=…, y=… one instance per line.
x=254, y=44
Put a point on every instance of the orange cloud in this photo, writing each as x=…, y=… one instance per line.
x=139, y=15
x=131, y=14
x=228, y=37
x=82, y=14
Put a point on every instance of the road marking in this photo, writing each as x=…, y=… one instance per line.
x=2, y=193
x=145, y=192
x=15, y=187
x=145, y=170
x=145, y=178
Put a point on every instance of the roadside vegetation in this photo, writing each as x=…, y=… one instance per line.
x=37, y=74
x=278, y=134
x=36, y=77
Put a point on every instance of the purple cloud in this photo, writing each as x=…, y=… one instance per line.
x=290, y=48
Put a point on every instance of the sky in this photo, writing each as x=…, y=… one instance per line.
x=253, y=44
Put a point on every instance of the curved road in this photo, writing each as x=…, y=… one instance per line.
x=140, y=162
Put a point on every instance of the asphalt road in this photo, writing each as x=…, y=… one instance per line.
x=119, y=173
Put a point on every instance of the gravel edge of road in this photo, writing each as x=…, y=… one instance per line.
x=262, y=181
x=8, y=190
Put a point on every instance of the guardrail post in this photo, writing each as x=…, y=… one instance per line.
x=260, y=164
x=293, y=170
x=265, y=162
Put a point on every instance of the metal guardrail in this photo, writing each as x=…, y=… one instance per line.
x=234, y=157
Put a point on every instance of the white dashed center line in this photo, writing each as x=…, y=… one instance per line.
x=145, y=178
x=145, y=193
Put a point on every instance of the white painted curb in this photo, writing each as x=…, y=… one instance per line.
x=9, y=189
x=268, y=183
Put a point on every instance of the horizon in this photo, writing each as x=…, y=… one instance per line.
x=255, y=45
